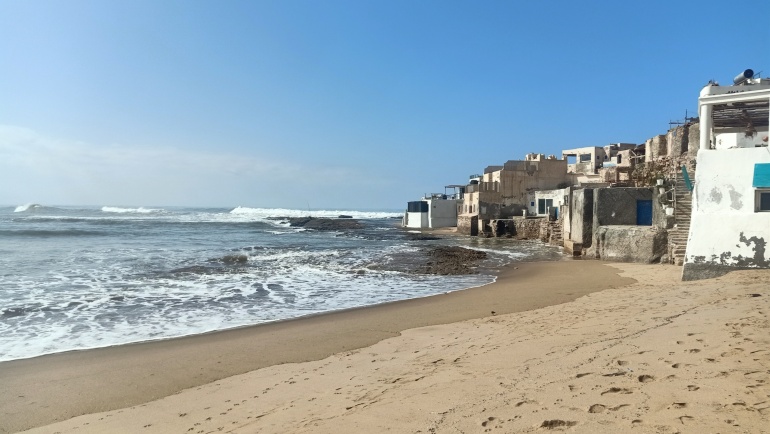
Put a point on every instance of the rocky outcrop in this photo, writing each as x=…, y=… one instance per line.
x=324, y=224
x=447, y=260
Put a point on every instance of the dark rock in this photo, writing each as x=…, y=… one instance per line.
x=343, y=216
x=325, y=224
x=451, y=261
x=421, y=237
x=12, y=312
x=235, y=259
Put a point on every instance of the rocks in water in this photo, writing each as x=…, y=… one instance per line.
x=343, y=216
x=325, y=224
x=235, y=259
x=12, y=312
x=421, y=237
x=451, y=260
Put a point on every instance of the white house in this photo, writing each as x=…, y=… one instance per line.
x=730, y=226
x=546, y=202
x=434, y=211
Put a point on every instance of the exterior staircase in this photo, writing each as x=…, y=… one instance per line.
x=550, y=232
x=677, y=236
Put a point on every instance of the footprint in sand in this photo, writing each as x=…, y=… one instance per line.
x=622, y=390
x=489, y=419
x=692, y=388
x=596, y=408
x=646, y=378
x=556, y=423
x=732, y=352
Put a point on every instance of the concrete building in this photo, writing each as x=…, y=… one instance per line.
x=610, y=164
x=586, y=160
x=614, y=224
x=730, y=224
x=503, y=192
x=435, y=210
x=549, y=202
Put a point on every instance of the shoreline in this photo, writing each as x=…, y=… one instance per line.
x=81, y=382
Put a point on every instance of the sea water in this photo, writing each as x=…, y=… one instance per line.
x=84, y=277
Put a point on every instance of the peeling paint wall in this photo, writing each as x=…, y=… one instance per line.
x=725, y=231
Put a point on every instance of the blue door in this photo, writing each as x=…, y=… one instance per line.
x=644, y=212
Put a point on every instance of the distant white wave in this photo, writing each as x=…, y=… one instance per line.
x=140, y=210
x=282, y=212
x=27, y=207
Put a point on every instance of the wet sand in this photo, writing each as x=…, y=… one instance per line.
x=57, y=387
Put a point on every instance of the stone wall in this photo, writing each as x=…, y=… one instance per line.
x=676, y=141
x=645, y=244
x=465, y=224
x=693, y=134
x=655, y=148
x=527, y=229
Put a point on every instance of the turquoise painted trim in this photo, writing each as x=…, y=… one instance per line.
x=761, y=175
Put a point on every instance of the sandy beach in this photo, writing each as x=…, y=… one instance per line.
x=578, y=346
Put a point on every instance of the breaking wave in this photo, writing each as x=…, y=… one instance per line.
x=27, y=207
x=140, y=210
x=283, y=212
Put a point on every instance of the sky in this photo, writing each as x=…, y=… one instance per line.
x=338, y=104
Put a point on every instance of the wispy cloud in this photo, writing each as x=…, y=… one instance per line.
x=43, y=168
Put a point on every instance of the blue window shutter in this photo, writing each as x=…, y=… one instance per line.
x=761, y=175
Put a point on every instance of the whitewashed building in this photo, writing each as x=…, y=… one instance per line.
x=730, y=226
x=434, y=210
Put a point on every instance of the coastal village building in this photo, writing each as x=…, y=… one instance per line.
x=435, y=210
x=503, y=192
x=730, y=226
x=646, y=203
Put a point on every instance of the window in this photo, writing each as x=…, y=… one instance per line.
x=762, y=184
x=585, y=157
x=543, y=205
x=762, y=201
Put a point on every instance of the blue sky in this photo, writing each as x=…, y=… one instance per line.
x=337, y=104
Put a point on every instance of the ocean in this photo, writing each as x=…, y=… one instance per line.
x=75, y=278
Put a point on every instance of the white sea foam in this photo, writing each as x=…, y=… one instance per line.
x=140, y=210
x=283, y=212
x=27, y=207
x=108, y=307
x=508, y=253
x=153, y=281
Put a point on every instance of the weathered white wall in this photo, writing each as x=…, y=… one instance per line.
x=725, y=232
x=417, y=220
x=736, y=138
x=442, y=213
x=556, y=195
